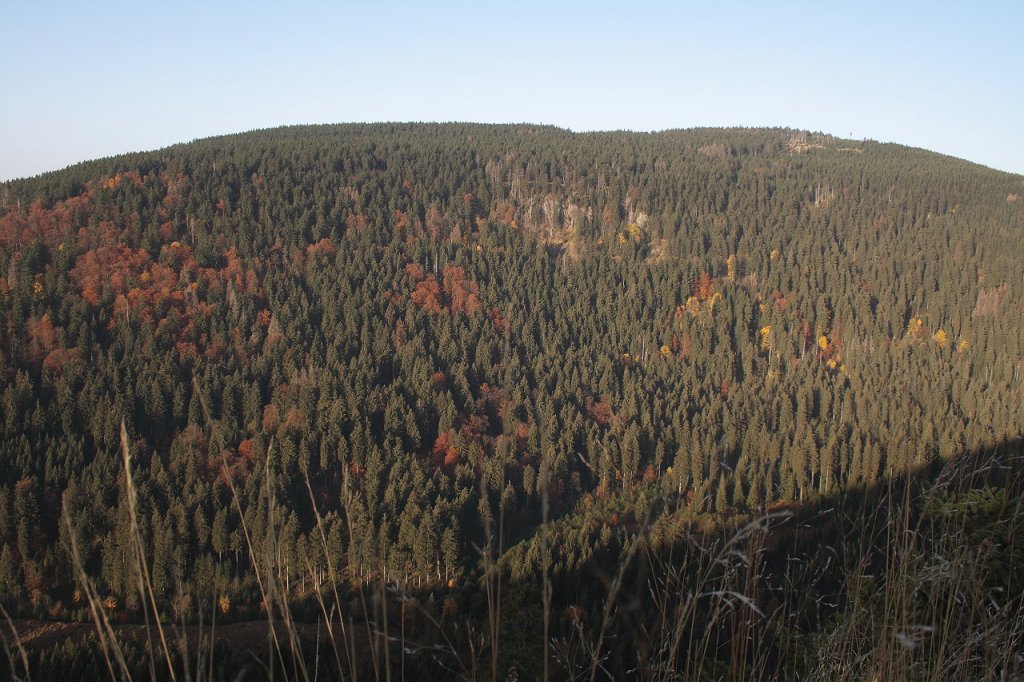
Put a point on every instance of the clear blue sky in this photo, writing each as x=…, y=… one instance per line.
x=84, y=80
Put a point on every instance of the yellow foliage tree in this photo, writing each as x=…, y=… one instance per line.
x=941, y=338
x=915, y=327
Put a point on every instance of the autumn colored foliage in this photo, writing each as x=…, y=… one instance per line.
x=704, y=287
x=456, y=294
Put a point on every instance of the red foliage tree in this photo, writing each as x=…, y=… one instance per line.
x=463, y=293
x=415, y=271
x=13, y=224
x=600, y=411
x=60, y=358
x=43, y=337
x=704, y=287
x=356, y=222
x=501, y=325
x=428, y=296
x=324, y=247
x=271, y=418
x=112, y=268
x=446, y=451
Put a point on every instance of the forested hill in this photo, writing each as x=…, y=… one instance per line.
x=416, y=331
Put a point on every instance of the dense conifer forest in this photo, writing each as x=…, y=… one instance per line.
x=493, y=401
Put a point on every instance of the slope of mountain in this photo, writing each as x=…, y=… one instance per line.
x=356, y=355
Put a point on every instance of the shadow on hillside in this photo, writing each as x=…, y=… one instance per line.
x=745, y=599
x=794, y=573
